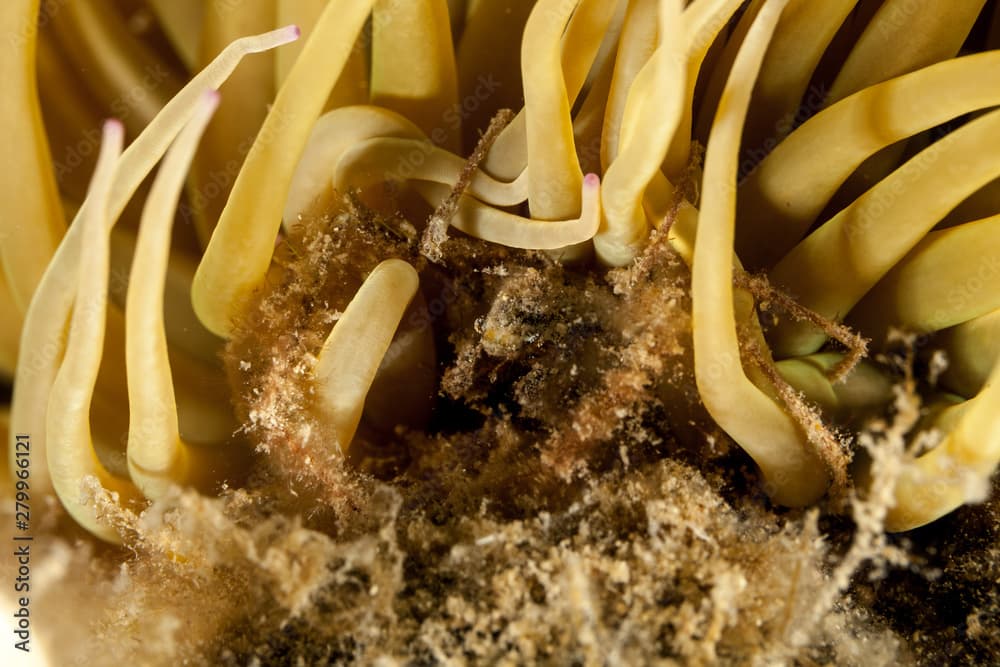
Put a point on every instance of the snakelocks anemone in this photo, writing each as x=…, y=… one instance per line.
x=502, y=331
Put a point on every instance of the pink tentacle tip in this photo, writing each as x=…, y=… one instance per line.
x=284, y=35
x=113, y=128
x=592, y=180
x=211, y=97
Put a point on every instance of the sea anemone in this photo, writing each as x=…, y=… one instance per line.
x=422, y=284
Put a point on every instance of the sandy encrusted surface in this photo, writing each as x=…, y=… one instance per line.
x=564, y=502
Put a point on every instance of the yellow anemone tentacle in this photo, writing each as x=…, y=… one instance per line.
x=345, y=370
x=130, y=79
x=958, y=470
x=72, y=121
x=790, y=188
x=252, y=216
x=43, y=334
x=635, y=48
x=625, y=181
x=586, y=41
x=357, y=146
x=722, y=67
x=556, y=177
x=352, y=87
x=203, y=407
x=588, y=123
x=157, y=458
x=10, y=333
x=803, y=35
x=246, y=96
x=592, y=25
x=950, y=277
x=387, y=159
x=497, y=226
x=33, y=220
x=580, y=44
x=793, y=473
x=5, y=469
x=902, y=38
x=837, y=264
x=864, y=391
x=489, y=71
x=705, y=19
x=972, y=349
x=333, y=135
x=71, y=456
x=185, y=332
x=413, y=66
